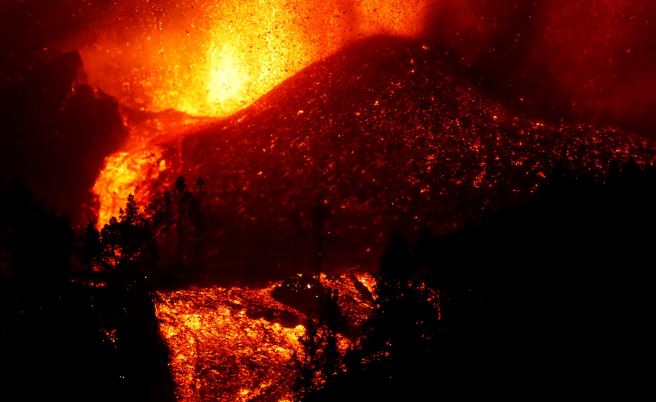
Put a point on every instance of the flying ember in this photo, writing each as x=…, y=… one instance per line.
x=213, y=58
x=337, y=200
x=208, y=58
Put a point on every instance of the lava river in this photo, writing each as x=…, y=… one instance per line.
x=241, y=344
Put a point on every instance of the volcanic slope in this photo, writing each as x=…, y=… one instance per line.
x=380, y=136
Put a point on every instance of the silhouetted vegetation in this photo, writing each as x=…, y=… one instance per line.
x=77, y=317
x=320, y=359
x=177, y=228
x=552, y=297
x=163, y=240
x=546, y=297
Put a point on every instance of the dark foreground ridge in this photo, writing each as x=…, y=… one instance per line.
x=550, y=298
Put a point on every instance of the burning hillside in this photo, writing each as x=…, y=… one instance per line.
x=373, y=137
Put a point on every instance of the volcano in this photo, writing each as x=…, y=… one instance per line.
x=296, y=200
x=380, y=136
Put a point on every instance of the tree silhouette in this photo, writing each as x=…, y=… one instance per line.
x=128, y=240
x=92, y=247
x=309, y=364
x=395, y=355
x=183, y=197
x=177, y=222
x=74, y=335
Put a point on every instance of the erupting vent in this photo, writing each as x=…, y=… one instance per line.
x=266, y=138
x=213, y=58
x=377, y=134
x=309, y=107
x=208, y=58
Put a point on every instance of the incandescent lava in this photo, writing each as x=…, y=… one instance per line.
x=240, y=344
x=381, y=135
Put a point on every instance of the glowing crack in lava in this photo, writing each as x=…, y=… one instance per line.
x=214, y=58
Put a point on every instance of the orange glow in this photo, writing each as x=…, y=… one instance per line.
x=208, y=58
x=224, y=349
x=226, y=79
x=214, y=58
x=120, y=177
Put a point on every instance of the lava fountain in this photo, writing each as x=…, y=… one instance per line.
x=214, y=58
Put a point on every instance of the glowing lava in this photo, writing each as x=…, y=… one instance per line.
x=240, y=344
x=121, y=176
x=227, y=80
x=213, y=58
x=209, y=58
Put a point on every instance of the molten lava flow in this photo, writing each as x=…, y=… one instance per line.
x=214, y=58
x=240, y=344
x=120, y=177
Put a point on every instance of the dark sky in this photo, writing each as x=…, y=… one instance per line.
x=591, y=61
x=54, y=130
x=588, y=61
